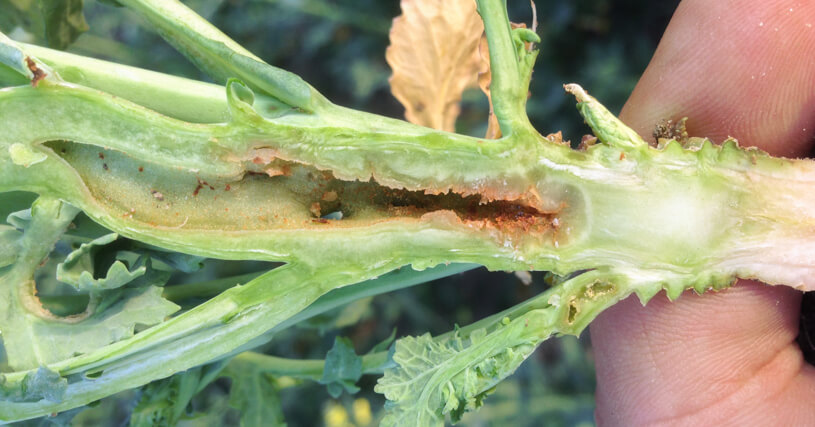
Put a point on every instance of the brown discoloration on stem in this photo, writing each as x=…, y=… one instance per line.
x=315, y=209
x=37, y=73
x=276, y=162
x=586, y=142
x=298, y=201
x=668, y=129
x=200, y=186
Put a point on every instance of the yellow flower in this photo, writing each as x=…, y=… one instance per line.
x=362, y=412
x=336, y=416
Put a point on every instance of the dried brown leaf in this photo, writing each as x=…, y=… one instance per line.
x=434, y=57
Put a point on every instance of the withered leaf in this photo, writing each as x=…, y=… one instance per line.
x=434, y=56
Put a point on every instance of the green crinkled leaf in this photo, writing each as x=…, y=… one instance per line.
x=78, y=258
x=185, y=263
x=78, y=270
x=134, y=258
x=42, y=224
x=255, y=395
x=37, y=385
x=117, y=276
x=343, y=368
x=151, y=277
x=165, y=402
x=136, y=306
x=449, y=376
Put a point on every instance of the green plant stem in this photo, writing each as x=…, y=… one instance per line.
x=508, y=93
x=184, y=99
x=219, y=56
x=399, y=279
x=182, y=25
x=207, y=332
x=563, y=316
x=621, y=209
x=178, y=97
x=395, y=280
x=591, y=186
x=49, y=219
x=174, y=293
x=301, y=368
x=210, y=288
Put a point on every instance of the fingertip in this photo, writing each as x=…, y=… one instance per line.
x=745, y=70
x=687, y=354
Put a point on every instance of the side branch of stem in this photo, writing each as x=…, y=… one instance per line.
x=508, y=91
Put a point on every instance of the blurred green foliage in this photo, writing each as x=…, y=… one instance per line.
x=338, y=46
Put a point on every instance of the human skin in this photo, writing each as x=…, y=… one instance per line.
x=741, y=68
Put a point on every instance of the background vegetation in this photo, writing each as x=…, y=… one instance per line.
x=338, y=46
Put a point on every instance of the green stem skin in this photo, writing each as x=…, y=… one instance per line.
x=202, y=290
x=298, y=368
x=251, y=180
x=565, y=309
x=503, y=60
x=181, y=98
x=592, y=196
x=221, y=57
